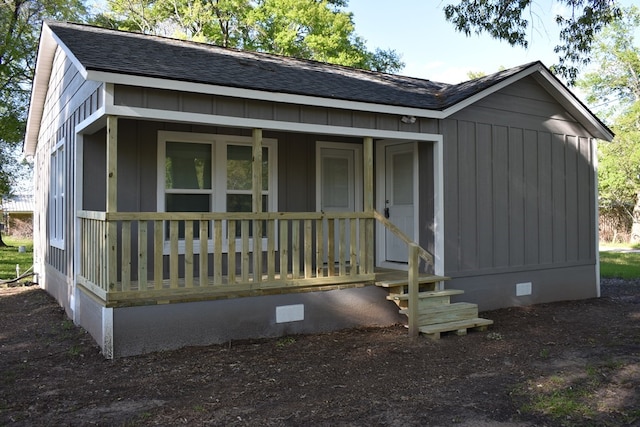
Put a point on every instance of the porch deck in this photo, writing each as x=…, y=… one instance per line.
x=131, y=259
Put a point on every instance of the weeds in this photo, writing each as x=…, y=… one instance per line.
x=285, y=341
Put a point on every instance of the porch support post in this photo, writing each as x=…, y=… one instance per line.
x=257, y=204
x=112, y=201
x=368, y=202
x=257, y=170
x=112, y=164
x=368, y=174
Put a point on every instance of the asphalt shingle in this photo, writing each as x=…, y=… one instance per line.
x=136, y=54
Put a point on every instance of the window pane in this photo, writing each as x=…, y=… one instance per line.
x=335, y=188
x=187, y=203
x=242, y=203
x=188, y=165
x=403, y=179
x=239, y=169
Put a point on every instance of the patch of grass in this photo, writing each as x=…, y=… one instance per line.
x=285, y=341
x=568, y=403
x=571, y=398
x=9, y=257
x=623, y=265
x=75, y=350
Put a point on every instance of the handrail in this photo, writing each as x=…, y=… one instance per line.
x=415, y=251
x=422, y=253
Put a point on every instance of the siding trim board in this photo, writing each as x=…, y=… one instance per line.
x=227, y=121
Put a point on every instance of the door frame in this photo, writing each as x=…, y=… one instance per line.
x=357, y=165
x=381, y=182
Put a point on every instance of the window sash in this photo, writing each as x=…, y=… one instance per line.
x=225, y=183
x=57, y=195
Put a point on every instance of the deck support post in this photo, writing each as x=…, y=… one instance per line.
x=112, y=202
x=413, y=290
x=257, y=203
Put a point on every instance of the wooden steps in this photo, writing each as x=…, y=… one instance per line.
x=460, y=327
x=436, y=313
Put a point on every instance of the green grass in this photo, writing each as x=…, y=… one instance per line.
x=10, y=256
x=619, y=264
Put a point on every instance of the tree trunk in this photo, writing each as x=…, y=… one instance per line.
x=2, y=243
x=635, y=227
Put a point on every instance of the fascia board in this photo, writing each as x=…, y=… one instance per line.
x=490, y=90
x=210, y=119
x=157, y=83
x=44, y=64
x=574, y=105
x=555, y=88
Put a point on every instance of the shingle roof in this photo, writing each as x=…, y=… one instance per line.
x=120, y=52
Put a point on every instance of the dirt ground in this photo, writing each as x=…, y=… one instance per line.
x=569, y=363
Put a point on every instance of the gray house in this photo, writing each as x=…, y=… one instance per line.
x=188, y=194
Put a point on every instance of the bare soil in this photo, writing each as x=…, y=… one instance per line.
x=568, y=363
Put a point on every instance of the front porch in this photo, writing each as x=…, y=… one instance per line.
x=142, y=259
x=151, y=258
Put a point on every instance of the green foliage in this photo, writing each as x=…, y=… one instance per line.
x=509, y=20
x=310, y=29
x=623, y=265
x=614, y=88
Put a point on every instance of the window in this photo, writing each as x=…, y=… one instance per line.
x=57, y=180
x=212, y=173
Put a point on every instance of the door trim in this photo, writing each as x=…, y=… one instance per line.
x=357, y=164
x=381, y=175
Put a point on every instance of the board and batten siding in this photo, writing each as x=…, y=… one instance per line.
x=70, y=100
x=519, y=186
x=168, y=100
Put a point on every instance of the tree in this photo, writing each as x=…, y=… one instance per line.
x=309, y=29
x=507, y=20
x=20, y=23
x=614, y=88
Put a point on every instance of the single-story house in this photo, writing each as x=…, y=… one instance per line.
x=18, y=207
x=188, y=194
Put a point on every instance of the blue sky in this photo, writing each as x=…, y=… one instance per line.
x=432, y=49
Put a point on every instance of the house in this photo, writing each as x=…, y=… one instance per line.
x=16, y=209
x=188, y=194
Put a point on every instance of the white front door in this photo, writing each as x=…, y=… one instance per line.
x=399, y=200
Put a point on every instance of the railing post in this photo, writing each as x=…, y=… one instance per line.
x=112, y=202
x=413, y=290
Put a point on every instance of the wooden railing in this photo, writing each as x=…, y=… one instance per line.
x=415, y=253
x=167, y=256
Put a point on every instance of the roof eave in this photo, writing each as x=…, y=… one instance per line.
x=44, y=63
x=560, y=92
x=259, y=95
x=569, y=101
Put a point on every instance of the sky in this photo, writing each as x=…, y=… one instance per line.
x=432, y=49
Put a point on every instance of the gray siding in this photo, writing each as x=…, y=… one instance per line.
x=226, y=106
x=70, y=100
x=519, y=192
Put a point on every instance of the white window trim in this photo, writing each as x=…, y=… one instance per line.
x=218, y=190
x=57, y=191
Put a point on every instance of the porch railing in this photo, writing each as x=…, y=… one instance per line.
x=129, y=256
